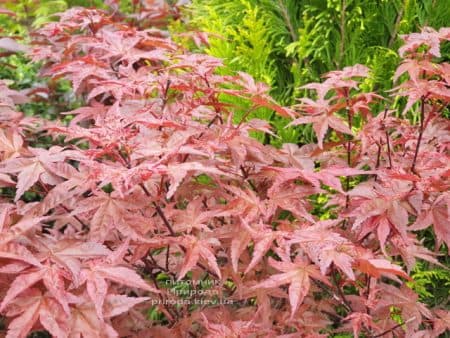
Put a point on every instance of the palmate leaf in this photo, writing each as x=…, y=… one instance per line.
x=325, y=247
x=438, y=215
x=34, y=306
x=196, y=249
x=297, y=275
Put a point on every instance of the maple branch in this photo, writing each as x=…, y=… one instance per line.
x=349, y=145
x=167, y=256
x=368, y=292
x=164, y=98
x=210, y=123
x=331, y=294
x=172, y=232
x=164, y=219
x=339, y=290
x=380, y=143
x=214, y=100
x=349, y=148
x=394, y=327
x=159, y=211
x=245, y=173
x=147, y=193
x=389, y=149
x=377, y=165
x=155, y=265
x=422, y=118
x=336, y=318
x=247, y=113
x=125, y=160
x=84, y=226
x=387, y=138
x=174, y=315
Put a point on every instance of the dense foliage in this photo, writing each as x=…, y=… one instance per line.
x=289, y=43
x=152, y=210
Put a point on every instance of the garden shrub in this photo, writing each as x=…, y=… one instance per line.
x=152, y=212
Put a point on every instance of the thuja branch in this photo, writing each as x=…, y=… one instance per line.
x=398, y=20
x=287, y=20
x=342, y=32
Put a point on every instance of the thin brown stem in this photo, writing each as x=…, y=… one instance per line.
x=349, y=150
x=173, y=314
x=247, y=113
x=389, y=149
x=154, y=265
x=167, y=256
x=377, y=164
x=422, y=118
x=339, y=290
x=336, y=318
x=213, y=120
x=368, y=292
x=160, y=212
x=331, y=294
x=164, y=219
x=164, y=98
x=394, y=327
x=169, y=227
x=245, y=173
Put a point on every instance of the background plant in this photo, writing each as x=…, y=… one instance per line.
x=288, y=43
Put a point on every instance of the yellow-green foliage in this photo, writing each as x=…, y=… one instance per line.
x=31, y=14
x=244, y=47
x=287, y=43
x=432, y=284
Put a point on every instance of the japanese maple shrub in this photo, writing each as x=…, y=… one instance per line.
x=151, y=184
